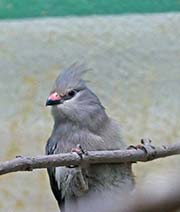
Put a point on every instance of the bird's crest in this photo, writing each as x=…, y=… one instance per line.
x=71, y=78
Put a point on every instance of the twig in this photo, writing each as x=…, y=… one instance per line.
x=93, y=157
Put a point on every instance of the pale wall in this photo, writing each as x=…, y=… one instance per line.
x=136, y=73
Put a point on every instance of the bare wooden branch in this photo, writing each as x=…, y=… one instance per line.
x=93, y=157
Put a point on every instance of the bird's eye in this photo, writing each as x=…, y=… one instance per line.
x=72, y=93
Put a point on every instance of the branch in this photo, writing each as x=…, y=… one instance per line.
x=93, y=157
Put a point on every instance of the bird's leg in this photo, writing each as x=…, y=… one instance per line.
x=82, y=179
x=81, y=176
x=146, y=146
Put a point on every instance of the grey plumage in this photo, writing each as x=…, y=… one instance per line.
x=79, y=118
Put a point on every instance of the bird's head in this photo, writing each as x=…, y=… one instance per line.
x=72, y=100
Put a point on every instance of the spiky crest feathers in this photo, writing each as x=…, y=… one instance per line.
x=71, y=78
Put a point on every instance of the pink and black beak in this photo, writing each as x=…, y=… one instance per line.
x=54, y=99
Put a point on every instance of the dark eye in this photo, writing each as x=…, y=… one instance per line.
x=72, y=93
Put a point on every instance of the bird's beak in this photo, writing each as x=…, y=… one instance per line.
x=53, y=99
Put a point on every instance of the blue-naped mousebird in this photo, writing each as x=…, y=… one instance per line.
x=81, y=119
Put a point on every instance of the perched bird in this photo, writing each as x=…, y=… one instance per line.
x=80, y=119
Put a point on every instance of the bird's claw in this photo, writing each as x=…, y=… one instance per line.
x=79, y=150
x=146, y=143
x=146, y=146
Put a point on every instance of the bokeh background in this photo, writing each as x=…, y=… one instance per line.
x=133, y=49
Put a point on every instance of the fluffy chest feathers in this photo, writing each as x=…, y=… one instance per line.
x=67, y=135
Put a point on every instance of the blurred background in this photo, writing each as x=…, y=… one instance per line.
x=133, y=49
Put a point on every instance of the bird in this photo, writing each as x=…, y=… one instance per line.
x=81, y=119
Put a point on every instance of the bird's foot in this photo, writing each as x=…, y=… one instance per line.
x=146, y=146
x=79, y=150
x=82, y=179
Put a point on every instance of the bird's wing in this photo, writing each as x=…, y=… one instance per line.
x=51, y=172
